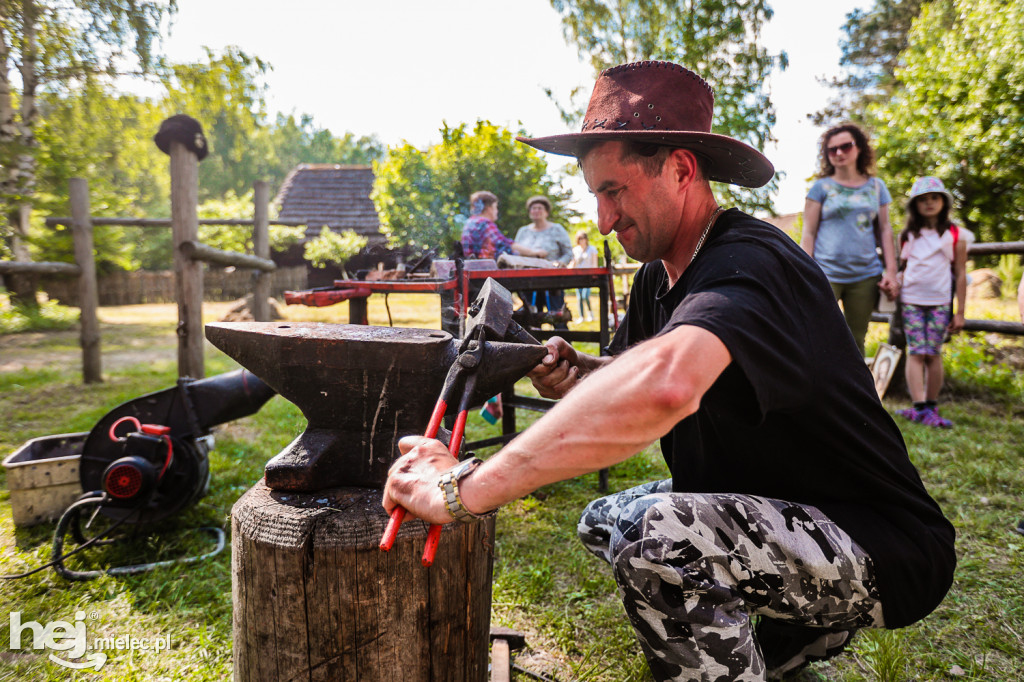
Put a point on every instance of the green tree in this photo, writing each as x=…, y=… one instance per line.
x=957, y=110
x=874, y=40
x=52, y=44
x=225, y=94
x=93, y=133
x=301, y=141
x=239, y=237
x=422, y=196
x=719, y=40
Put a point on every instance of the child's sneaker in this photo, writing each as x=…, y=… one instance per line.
x=931, y=417
x=911, y=413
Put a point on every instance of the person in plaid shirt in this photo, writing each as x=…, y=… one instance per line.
x=481, y=237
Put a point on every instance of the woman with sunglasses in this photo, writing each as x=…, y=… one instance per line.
x=846, y=217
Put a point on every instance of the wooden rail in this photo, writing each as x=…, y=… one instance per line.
x=54, y=221
x=990, y=248
x=995, y=326
x=17, y=267
x=199, y=251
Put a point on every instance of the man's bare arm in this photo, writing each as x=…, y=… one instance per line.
x=606, y=419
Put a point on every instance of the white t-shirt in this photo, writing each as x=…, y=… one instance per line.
x=584, y=259
x=927, y=279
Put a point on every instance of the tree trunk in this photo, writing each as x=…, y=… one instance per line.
x=314, y=598
x=8, y=144
x=22, y=287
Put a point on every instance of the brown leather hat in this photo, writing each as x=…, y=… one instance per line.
x=661, y=103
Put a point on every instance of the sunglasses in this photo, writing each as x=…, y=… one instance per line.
x=844, y=148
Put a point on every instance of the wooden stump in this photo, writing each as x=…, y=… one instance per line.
x=315, y=599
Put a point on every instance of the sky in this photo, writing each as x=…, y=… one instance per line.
x=400, y=69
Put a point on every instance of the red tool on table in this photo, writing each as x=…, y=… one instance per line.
x=463, y=371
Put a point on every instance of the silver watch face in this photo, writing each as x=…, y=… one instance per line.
x=465, y=467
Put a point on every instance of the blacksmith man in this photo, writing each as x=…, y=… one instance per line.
x=792, y=497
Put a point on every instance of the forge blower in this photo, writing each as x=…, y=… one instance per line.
x=148, y=459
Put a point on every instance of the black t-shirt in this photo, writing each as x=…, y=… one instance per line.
x=795, y=415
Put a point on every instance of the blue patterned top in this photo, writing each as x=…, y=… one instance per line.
x=845, y=243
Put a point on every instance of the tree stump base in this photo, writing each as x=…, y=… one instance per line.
x=314, y=598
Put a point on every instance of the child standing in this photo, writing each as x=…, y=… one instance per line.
x=929, y=245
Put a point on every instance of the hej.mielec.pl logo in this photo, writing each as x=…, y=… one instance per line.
x=71, y=639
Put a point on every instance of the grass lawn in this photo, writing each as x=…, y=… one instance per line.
x=545, y=584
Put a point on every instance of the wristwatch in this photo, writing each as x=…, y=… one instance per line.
x=449, y=485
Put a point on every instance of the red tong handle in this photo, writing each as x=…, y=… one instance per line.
x=391, y=530
x=398, y=513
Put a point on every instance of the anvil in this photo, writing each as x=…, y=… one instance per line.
x=361, y=389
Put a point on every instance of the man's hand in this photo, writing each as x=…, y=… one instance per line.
x=412, y=479
x=559, y=371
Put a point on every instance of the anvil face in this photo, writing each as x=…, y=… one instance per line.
x=361, y=388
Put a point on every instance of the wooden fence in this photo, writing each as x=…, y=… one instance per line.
x=131, y=288
x=191, y=259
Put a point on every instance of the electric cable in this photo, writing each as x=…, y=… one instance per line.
x=68, y=574
x=90, y=497
x=73, y=512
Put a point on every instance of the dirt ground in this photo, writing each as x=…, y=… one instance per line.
x=130, y=335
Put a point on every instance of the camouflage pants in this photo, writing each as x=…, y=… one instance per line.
x=693, y=568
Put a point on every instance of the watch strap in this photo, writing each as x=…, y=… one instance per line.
x=449, y=485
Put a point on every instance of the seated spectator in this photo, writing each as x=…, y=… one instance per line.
x=481, y=237
x=551, y=239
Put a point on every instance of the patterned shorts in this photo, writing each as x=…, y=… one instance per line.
x=693, y=568
x=925, y=327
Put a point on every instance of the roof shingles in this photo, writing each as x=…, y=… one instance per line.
x=333, y=195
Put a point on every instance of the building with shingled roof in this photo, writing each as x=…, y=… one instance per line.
x=338, y=197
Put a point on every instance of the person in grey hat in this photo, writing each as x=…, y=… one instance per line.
x=793, y=515
x=552, y=241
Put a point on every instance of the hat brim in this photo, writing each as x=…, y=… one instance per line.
x=943, y=192
x=730, y=161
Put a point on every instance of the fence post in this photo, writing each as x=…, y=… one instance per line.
x=261, y=248
x=188, y=272
x=88, y=293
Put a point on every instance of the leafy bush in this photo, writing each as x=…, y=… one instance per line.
x=988, y=363
x=1009, y=271
x=333, y=247
x=48, y=316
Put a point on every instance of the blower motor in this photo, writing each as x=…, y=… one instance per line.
x=150, y=455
